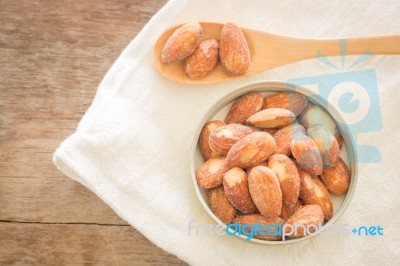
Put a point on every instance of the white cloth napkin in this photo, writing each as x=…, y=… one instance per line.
x=132, y=146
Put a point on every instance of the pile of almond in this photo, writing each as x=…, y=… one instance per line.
x=274, y=159
x=201, y=56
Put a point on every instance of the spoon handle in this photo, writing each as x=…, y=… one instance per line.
x=376, y=45
x=275, y=50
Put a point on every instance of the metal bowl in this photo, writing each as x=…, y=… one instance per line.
x=221, y=108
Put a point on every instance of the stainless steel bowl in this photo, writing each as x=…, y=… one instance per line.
x=221, y=108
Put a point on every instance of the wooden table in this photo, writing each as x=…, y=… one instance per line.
x=53, y=55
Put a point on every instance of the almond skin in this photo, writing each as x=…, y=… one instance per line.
x=313, y=191
x=293, y=101
x=337, y=179
x=237, y=190
x=284, y=136
x=210, y=174
x=244, y=107
x=205, y=149
x=234, y=51
x=286, y=211
x=289, y=180
x=327, y=144
x=222, y=138
x=271, y=118
x=254, y=219
x=220, y=205
x=265, y=191
x=250, y=150
x=316, y=115
x=182, y=43
x=306, y=153
x=203, y=60
x=307, y=215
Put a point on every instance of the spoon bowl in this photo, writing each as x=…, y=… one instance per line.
x=270, y=50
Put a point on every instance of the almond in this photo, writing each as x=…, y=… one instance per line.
x=311, y=216
x=288, y=176
x=293, y=101
x=337, y=179
x=203, y=60
x=255, y=220
x=222, y=138
x=306, y=184
x=210, y=174
x=234, y=51
x=306, y=153
x=182, y=42
x=271, y=118
x=265, y=191
x=283, y=137
x=244, y=107
x=313, y=191
x=220, y=205
x=327, y=144
x=205, y=149
x=251, y=150
x=286, y=211
x=316, y=115
x=237, y=190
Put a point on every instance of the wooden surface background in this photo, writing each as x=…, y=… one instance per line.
x=53, y=55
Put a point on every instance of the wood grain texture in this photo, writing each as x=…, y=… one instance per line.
x=53, y=55
x=39, y=244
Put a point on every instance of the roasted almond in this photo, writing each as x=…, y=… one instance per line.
x=289, y=180
x=306, y=184
x=287, y=212
x=337, y=179
x=268, y=232
x=205, y=149
x=293, y=101
x=283, y=137
x=251, y=150
x=182, y=43
x=306, y=153
x=220, y=205
x=265, y=191
x=310, y=216
x=237, y=190
x=222, y=138
x=234, y=51
x=316, y=115
x=244, y=107
x=203, y=60
x=210, y=174
x=271, y=118
x=313, y=191
x=327, y=144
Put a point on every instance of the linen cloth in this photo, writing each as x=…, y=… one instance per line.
x=132, y=146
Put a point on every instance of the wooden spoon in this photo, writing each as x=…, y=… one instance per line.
x=270, y=50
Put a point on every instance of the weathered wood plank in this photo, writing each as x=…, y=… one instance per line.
x=61, y=244
x=51, y=200
x=53, y=54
